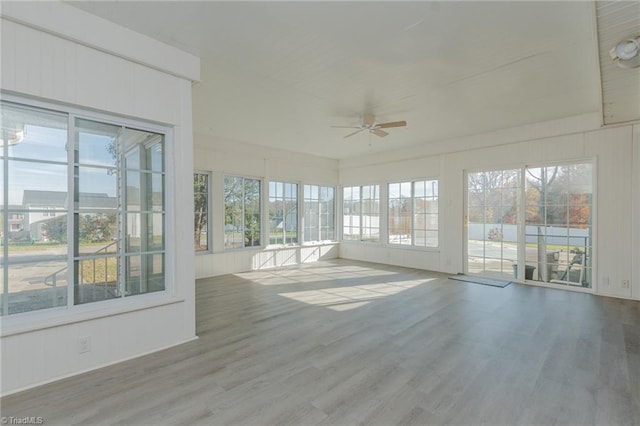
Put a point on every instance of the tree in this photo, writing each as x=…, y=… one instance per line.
x=541, y=184
x=492, y=196
x=200, y=199
x=99, y=227
x=242, y=207
x=56, y=229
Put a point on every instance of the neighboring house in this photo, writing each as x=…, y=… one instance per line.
x=17, y=230
x=42, y=206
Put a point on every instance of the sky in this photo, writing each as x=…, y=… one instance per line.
x=49, y=144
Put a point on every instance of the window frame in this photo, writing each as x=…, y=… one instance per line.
x=208, y=204
x=268, y=196
x=71, y=312
x=303, y=215
x=223, y=206
x=360, y=214
x=412, y=199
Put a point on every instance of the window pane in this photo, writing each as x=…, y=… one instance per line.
x=96, y=279
x=98, y=188
x=36, y=267
x=559, y=223
x=144, y=150
x=242, y=212
x=155, y=194
x=155, y=272
x=135, y=224
x=400, y=231
x=97, y=143
x=34, y=134
x=37, y=275
x=37, y=185
x=98, y=233
x=425, y=218
x=318, y=213
x=370, y=213
x=38, y=190
x=201, y=211
x=283, y=213
x=144, y=274
x=142, y=192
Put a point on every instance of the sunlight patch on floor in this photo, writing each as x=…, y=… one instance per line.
x=352, y=297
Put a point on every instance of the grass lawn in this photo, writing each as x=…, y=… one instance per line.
x=99, y=271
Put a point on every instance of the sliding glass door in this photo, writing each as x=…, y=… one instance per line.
x=558, y=229
x=492, y=232
x=533, y=224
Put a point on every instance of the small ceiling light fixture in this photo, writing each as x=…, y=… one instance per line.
x=13, y=136
x=626, y=54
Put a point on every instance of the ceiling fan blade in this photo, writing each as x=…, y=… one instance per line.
x=345, y=127
x=354, y=133
x=379, y=132
x=368, y=120
x=391, y=124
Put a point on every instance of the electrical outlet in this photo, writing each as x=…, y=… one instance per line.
x=625, y=283
x=84, y=344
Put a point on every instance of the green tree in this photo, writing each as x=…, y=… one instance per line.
x=98, y=227
x=200, y=201
x=56, y=229
x=242, y=207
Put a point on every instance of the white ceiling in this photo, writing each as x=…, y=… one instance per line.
x=281, y=73
x=620, y=87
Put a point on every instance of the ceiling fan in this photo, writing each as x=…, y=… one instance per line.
x=368, y=123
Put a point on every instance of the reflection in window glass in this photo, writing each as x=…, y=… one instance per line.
x=559, y=232
x=138, y=231
x=425, y=213
x=319, y=216
x=283, y=213
x=34, y=236
x=116, y=209
x=361, y=213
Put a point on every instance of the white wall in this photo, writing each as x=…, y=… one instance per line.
x=611, y=148
x=222, y=157
x=44, y=58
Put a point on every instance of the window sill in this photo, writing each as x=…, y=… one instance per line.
x=319, y=243
x=303, y=245
x=55, y=317
x=392, y=246
x=413, y=248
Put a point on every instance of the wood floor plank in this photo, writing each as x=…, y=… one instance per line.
x=344, y=342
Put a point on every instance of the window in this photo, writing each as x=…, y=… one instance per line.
x=241, y=212
x=532, y=223
x=201, y=211
x=558, y=228
x=319, y=216
x=361, y=213
x=283, y=213
x=413, y=213
x=116, y=202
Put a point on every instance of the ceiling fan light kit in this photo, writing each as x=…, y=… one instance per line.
x=368, y=123
x=626, y=54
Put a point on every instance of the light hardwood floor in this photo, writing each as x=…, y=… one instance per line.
x=342, y=342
